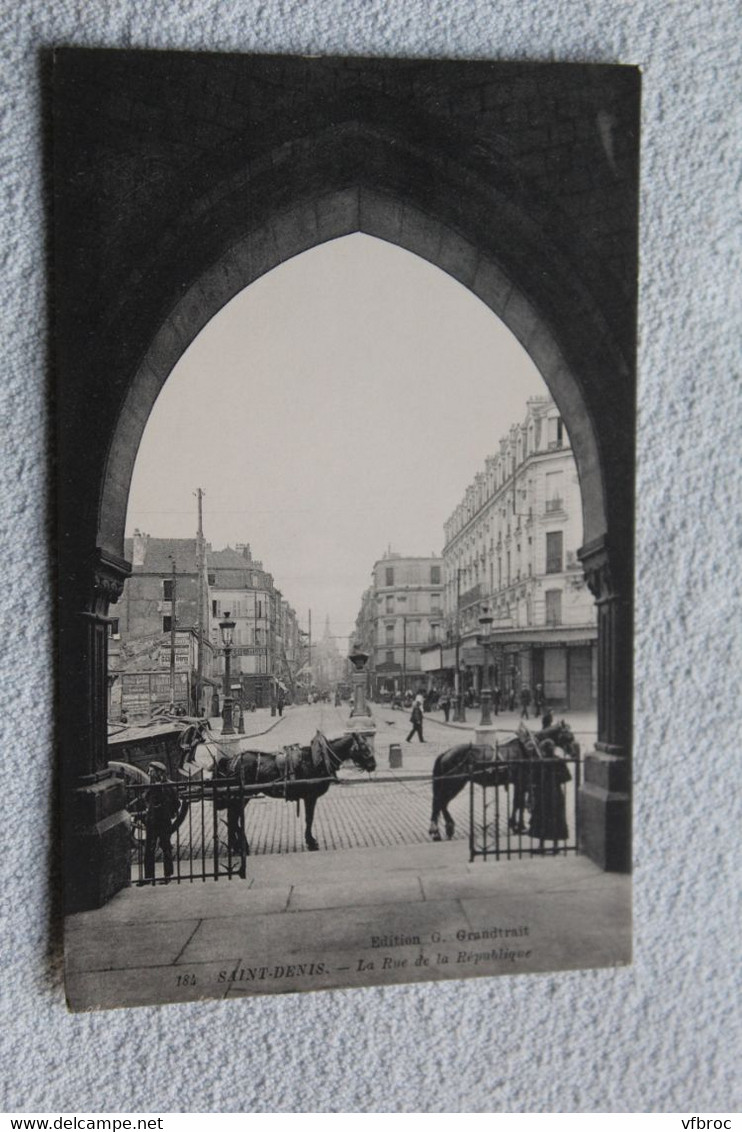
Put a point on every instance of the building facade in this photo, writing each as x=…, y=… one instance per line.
x=159, y=648
x=510, y=553
x=165, y=645
x=401, y=612
x=266, y=641
x=329, y=668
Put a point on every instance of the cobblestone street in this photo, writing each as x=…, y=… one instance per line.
x=390, y=808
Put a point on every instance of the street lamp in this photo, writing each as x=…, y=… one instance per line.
x=227, y=630
x=485, y=621
x=358, y=659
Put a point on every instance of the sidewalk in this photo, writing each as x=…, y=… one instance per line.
x=344, y=919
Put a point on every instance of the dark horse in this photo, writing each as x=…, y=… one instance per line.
x=487, y=766
x=295, y=774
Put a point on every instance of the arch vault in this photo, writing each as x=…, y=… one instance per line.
x=371, y=163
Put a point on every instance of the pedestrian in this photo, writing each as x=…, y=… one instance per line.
x=525, y=699
x=546, y=720
x=281, y=701
x=538, y=699
x=445, y=704
x=496, y=699
x=162, y=807
x=416, y=719
x=511, y=698
x=549, y=811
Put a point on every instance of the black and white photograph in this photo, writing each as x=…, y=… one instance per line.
x=344, y=354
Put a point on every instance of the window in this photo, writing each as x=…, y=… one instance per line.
x=167, y=624
x=412, y=632
x=390, y=575
x=390, y=656
x=553, y=607
x=390, y=604
x=554, y=552
x=113, y=627
x=554, y=491
x=212, y=579
x=167, y=589
x=390, y=634
x=435, y=575
x=215, y=610
x=555, y=432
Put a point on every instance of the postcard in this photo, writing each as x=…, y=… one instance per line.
x=345, y=371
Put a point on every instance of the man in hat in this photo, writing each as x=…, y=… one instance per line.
x=162, y=808
x=416, y=719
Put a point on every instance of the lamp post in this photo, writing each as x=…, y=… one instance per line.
x=459, y=710
x=360, y=719
x=227, y=630
x=485, y=621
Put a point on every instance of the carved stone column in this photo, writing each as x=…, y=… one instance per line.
x=96, y=826
x=604, y=799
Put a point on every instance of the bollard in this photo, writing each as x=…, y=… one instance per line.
x=395, y=756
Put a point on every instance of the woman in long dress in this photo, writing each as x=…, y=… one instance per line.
x=549, y=810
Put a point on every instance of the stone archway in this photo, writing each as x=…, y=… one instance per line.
x=331, y=217
x=473, y=216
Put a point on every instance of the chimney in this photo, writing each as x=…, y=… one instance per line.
x=139, y=548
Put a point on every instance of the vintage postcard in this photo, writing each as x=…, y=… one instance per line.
x=345, y=361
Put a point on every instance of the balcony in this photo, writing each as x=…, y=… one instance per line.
x=471, y=595
x=555, y=504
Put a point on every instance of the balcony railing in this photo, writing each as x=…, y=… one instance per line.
x=555, y=504
x=471, y=595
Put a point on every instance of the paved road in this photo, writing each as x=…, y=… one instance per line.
x=390, y=808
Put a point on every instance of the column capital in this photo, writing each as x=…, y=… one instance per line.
x=107, y=575
x=606, y=570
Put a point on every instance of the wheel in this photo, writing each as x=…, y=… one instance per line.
x=136, y=805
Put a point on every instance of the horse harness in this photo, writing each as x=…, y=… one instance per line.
x=287, y=761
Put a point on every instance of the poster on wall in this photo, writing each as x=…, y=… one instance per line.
x=345, y=370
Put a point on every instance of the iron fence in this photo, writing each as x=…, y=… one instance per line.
x=525, y=808
x=182, y=831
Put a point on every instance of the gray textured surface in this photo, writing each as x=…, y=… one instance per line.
x=657, y=1037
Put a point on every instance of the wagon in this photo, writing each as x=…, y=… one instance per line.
x=130, y=752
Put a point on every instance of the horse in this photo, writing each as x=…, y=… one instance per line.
x=488, y=766
x=295, y=774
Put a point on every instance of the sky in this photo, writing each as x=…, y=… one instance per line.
x=337, y=407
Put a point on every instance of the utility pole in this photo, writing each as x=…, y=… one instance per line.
x=173, y=608
x=459, y=710
x=404, y=655
x=200, y=623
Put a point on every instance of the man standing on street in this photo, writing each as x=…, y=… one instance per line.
x=416, y=719
x=162, y=808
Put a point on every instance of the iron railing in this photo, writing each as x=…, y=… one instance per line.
x=525, y=808
x=181, y=831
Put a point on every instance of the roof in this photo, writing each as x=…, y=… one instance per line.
x=229, y=558
x=159, y=554
x=234, y=571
